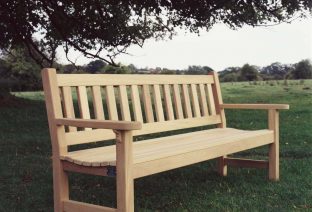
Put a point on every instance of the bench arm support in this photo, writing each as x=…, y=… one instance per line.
x=102, y=124
x=256, y=106
x=273, y=124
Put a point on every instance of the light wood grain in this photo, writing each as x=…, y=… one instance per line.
x=124, y=179
x=202, y=105
x=159, y=148
x=128, y=79
x=97, y=102
x=135, y=98
x=168, y=103
x=256, y=106
x=177, y=102
x=186, y=101
x=91, y=136
x=124, y=103
x=273, y=122
x=211, y=103
x=147, y=128
x=158, y=104
x=194, y=100
x=57, y=133
x=68, y=105
x=150, y=128
x=83, y=103
x=148, y=108
x=104, y=124
x=217, y=98
x=203, y=100
x=190, y=157
x=111, y=103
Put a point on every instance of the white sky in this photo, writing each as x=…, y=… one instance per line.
x=221, y=47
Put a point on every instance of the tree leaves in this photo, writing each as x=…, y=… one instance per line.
x=102, y=29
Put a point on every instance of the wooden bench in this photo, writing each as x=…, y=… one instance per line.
x=124, y=106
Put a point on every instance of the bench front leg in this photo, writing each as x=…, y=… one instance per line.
x=124, y=175
x=273, y=122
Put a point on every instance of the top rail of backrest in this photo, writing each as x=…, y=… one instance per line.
x=130, y=79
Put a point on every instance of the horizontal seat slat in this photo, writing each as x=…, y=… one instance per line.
x=226, y=140
x=191, y=157
x=129, y=79
x=164, y=147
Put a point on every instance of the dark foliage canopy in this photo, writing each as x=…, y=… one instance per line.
x=303, y=70
x=102, y=29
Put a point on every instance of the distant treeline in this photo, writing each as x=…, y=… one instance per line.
x=18, y=72
x=275, y=71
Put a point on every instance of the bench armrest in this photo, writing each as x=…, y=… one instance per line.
x=256, y=106
x=103, y=124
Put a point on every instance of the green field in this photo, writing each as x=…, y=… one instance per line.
x=26, y=173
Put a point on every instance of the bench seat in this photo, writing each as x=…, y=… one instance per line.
x=217, y=142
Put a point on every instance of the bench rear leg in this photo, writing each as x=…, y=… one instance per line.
x=222, y=167
x=274, y=147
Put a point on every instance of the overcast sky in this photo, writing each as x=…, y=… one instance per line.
x=222, y=47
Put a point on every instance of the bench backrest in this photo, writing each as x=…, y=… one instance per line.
x=160, y=102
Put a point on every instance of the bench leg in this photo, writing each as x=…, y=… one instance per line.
x=60, y=185
x=124, y=177
x=274, y=147
x=222, y=167
x=273, y=162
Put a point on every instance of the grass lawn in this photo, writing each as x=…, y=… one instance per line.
x=26, y=173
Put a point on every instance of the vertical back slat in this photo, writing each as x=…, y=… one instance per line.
x=211, y=102
x=194, y=97
x=147, y=104
x=186, y=101
x=177, y=102
x=203, y=100
x=168, y=102
x=124, y=103
x=216, y=90
x=111, y=102
x=69, y=111
x=97, y=102
x=135, y=98
x=83, y=103
x=158, y=103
